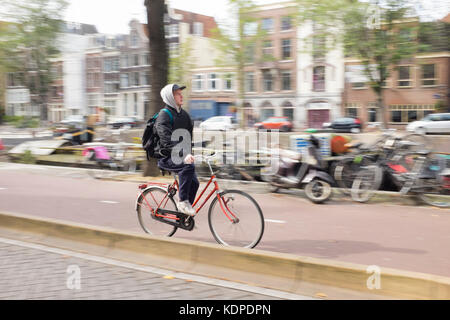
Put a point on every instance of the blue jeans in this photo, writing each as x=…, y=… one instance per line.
x=187, y=178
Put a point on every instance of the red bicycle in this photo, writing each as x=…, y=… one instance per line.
x=234, y=217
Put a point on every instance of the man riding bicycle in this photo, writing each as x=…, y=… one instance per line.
x=177, y=155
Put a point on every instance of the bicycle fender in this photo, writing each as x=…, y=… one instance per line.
x=140, y=196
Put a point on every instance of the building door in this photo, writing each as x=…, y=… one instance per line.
x=317, y=117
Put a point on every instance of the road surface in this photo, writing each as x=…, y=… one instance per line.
x=403, y=237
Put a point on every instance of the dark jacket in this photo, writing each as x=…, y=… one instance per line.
x=164, y=129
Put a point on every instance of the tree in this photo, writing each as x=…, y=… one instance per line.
x=30, y=44
x=156, y=9
x=380, y=34
x=181, y=63
x=238, y=47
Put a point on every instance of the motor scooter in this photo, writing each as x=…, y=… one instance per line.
x=291, y=169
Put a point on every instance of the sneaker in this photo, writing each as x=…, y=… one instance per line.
x=186, y=208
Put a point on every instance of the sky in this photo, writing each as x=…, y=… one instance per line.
x=113, y=16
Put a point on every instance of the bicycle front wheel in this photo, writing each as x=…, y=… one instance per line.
x=235, y=219
x=435, y=192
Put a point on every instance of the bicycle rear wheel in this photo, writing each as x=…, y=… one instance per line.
x=149, y=201
x=235, y=219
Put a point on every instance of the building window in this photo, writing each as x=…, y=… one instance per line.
x=145, y=58
x=198, y=29
x=412, y=115
x=373, y=114
x=135, y=98
x=267, y=50
x=359, y=85
x=124, y=61
x=267, y=25
x=173, y=30
x=409, y=113
x=286, y=49
x=134, y=79
x=286, y=80
x=124, y=80
x=134, y=39
x=174, y=49
x=351, y=110
x=404, y=76
x=266, y=113
x=213, y=81
x=428, y=75
x=93, y=100
x=135, y=60
x=145, y=78
x=250, y=28
x=267, y=81
x=197, y=82
x=107, y=67
x=249, y=54
x=396, y=116
x=319, y=78
x=125, y=104
x=115, y=64
x=228, y=82
x=97, y=80
x=249, y=82
x=286, y=23
x=111, y=87
x=111, y=105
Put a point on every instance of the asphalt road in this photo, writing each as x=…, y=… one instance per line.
x=402, y=237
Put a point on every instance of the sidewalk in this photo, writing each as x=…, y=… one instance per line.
x=35, y=272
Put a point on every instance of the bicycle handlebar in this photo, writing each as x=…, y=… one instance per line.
x=203, y=157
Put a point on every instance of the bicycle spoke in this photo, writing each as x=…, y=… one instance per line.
x=247, y=226
x=145, y=212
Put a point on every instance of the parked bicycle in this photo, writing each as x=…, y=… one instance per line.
x=113, y=156
x=346, y=169
x=421, y=173
x=234, y=217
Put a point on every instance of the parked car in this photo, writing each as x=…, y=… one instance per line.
x=432, y=123
x=279, y=123
x=344, y=124
x=221, y=123
x=117, y=123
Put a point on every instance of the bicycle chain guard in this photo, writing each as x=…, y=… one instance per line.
x=183, y=221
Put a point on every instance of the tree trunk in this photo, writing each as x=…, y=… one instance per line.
x=159, y=65
x=384, y=115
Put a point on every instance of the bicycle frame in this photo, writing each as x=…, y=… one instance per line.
x=174, y=187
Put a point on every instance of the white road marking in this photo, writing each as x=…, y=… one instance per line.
x=109, y=202
x=274, y=221
x=164, y=272
x=3, y=188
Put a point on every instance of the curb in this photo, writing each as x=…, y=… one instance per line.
x=285, y=272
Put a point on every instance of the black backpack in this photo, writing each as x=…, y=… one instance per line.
x=150, y=137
